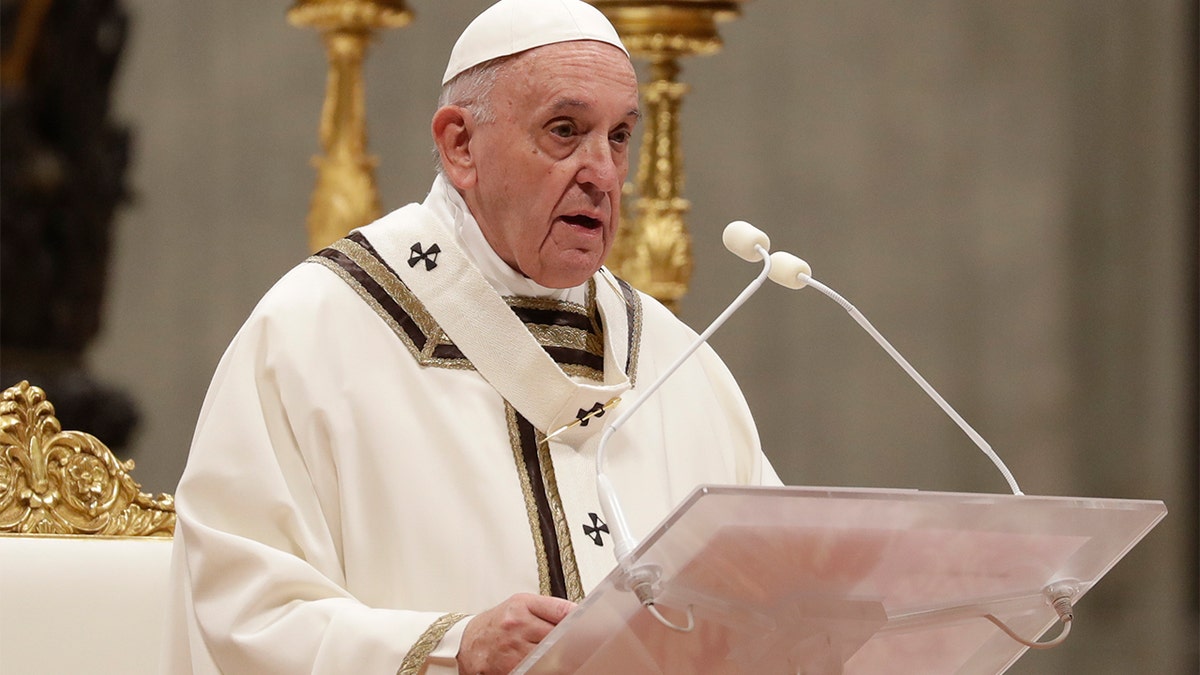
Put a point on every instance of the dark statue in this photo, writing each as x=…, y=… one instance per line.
x=62, y=177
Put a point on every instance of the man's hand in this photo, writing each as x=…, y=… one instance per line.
x=496, y=640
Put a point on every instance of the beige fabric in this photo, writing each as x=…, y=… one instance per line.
x=82, y=604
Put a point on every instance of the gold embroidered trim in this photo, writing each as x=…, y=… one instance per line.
x=389, y=281
x=408, y=302
x=634, y=305
x=595, y=338
x=527, y=302
x=546, y=336
x=566, y=550
x=531, y=510
x=564, y=336
x=576, y=370
x=423, y=356
x=414, y=660
x=591, y=341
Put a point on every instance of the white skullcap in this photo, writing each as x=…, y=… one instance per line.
x=513, y=26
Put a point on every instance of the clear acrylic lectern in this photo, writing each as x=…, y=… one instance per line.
x=824, y=581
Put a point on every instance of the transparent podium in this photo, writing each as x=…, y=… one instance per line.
x=823, y=581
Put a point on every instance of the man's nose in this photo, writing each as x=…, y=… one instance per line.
x=599, y=165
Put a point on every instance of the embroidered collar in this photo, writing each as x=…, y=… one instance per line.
x=481, y=324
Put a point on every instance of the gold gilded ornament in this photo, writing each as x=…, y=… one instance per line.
x=653, y=251
x=345, y=196
x=68, y=482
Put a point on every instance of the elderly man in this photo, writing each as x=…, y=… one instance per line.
x=393, y=470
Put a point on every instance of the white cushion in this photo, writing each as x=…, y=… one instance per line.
x=82, y=604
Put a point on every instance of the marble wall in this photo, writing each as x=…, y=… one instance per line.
x=1006, y=189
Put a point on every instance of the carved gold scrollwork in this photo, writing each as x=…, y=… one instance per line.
x=345, y=196
x=654, y=250
x=68, y=482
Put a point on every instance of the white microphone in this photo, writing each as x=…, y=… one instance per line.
x=743, y=240
x=748, y=243
x=787, y=270
x=791, y=272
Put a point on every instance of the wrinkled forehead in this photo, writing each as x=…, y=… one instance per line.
x=585, y=64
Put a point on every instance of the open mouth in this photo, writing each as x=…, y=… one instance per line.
x=582, y=221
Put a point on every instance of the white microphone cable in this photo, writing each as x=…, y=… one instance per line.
x=748, y=243
x=792, y=272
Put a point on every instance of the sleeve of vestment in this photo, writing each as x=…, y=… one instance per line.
x=751, y=465
x=259, y=515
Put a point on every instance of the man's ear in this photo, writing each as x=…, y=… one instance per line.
x=453, y=128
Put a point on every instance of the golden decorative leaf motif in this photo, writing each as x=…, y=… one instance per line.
x=68, y=482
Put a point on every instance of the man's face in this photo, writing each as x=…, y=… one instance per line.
x=549, y=169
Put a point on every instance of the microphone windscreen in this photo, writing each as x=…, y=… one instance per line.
x=787, y=268
x=741, y=237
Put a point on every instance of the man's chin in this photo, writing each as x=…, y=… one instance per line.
x=566, y=281
x=566, y=276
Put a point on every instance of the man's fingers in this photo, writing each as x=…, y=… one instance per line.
x=497, y=639
x=550, y=610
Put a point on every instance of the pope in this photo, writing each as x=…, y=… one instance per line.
x=393, y=468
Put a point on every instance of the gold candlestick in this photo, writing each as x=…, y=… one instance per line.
x=345, y=196
x=654, y=250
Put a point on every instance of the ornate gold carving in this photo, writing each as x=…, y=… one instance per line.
x=345, y=196
x=653, y=252
x=673, y=28
x=68, y=482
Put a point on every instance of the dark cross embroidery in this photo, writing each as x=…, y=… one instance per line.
x=585, y=416
x=595, y=529
x=429, y=256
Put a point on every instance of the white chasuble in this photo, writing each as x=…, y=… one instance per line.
x=370, y=467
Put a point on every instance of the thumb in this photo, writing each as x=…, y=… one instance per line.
x=550, y=609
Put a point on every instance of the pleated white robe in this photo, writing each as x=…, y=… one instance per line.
x=357, y=489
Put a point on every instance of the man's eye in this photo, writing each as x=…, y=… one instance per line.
x=563, y=130
x=621, y=137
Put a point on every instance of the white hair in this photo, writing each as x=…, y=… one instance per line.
x=472, y=90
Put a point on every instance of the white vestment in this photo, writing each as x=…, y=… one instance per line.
x=369, y=466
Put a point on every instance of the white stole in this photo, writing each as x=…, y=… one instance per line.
x=493, y=338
